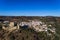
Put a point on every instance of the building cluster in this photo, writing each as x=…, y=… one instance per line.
x=9, y=26
x=35, y=24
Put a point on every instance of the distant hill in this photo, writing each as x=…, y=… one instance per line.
x=9, y=18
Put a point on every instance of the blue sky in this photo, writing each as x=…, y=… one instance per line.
x=30, y=7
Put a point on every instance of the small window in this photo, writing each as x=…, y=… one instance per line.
x=15, y=24
x=0, y=27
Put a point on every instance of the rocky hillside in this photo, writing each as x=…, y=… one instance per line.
x=28, y=33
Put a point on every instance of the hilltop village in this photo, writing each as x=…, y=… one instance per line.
x=37, y=25
x=29, y=28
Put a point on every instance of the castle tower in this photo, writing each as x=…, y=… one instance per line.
x=11, y=24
